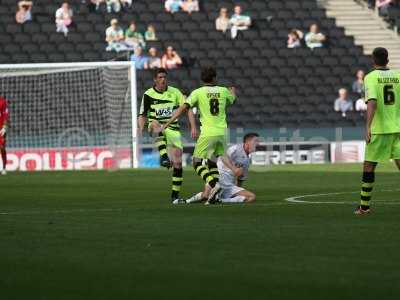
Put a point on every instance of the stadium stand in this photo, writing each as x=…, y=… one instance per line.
x=391, y=14
x=278, y=87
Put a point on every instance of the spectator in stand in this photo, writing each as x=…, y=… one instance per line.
x=222, y=22
x=94, y=5
x=24, y=12
x=358, y=84
x=64, y=18
x=171, y=59
x=126, y=4
x=315, y=39
x=294, y=38
x=239, y=22
x=134, y=38
x=113, y=5
x=153, y=61
x=343, y=104
x=150, y=34
x=383, y=7
x=115, y=37
x=371, y=3
x=361, y=106
x=190, y=6
x=141, y=61
x=173, y=6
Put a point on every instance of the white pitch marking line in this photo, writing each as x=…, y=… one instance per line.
x=295, y=199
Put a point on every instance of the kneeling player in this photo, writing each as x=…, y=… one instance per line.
x=233, y=169
x=3, y=130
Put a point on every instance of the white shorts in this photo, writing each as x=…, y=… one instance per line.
x=229, y=191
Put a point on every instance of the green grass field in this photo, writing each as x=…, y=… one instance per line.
x=114, y=235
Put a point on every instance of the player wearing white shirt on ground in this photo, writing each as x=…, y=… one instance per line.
x=233, y=169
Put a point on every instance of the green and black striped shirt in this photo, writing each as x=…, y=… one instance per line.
x=161, y=105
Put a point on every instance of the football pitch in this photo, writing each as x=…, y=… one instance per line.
x=115, y=235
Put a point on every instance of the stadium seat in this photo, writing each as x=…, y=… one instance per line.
x=30, y=48
x=47, y=47
x=14, y=28
x=20, y=58
x=22, y=38
x=267, y=74
x=38, y=57
x=40, y=38
x=11, y=48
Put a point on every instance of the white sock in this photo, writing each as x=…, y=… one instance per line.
x=195, y=199
x=236, y=199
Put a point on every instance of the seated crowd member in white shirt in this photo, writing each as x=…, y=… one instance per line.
x=239, y=21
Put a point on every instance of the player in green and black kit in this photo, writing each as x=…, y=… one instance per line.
x=211, y=101
x=382, y=92
x=158, y=105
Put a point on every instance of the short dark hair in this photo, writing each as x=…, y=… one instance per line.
x=380, y=56
x=159, y=71
x=208, y=74
x=249, y=136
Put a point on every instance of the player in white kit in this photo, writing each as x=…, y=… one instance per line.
x=233, y=168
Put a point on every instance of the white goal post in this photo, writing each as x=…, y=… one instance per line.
x=71, y=116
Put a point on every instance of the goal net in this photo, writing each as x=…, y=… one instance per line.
x=70, y=116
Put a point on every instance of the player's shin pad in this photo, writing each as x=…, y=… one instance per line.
x=366, y=188
x=213, y=169
x=204, y=173
x=161, y=144
x=177, y=180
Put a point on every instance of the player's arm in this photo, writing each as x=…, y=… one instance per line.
x=243, y=177
x=190, y=115
x=3, y=130
x=230, y=95
x=182, y=109
x=371, y=109
x=144, y=109
x=371, y=96
x=190, y=102
x=229, y=164
x=141, y=123
x=5, y=116
x=192, y=122
x=247, y=21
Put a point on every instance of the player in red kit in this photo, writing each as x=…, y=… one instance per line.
x=3, y=131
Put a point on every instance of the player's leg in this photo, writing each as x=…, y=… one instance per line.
x=174, y=143
x=161, y=143
x=177, y=173
x=201, y=196
x=199, y=155
x=367, y=185
x=396, y=150
x=3, y=153
x=235, y=194
x=249, y=196
x=377, y=150
x=217, y=147
x=213, y=171
x=213, y=168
